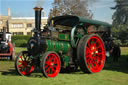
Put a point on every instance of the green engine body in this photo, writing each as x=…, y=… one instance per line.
x=58, y=46
x=61, y=47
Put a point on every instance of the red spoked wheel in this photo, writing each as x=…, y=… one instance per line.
x=50, y=64
x=91, y=53
x=24, y=64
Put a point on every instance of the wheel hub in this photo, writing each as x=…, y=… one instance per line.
x=25, y=63
x=52, y=64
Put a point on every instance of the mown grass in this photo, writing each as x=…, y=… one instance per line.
x=19, y=49
x=124, y=50
x=112, y=74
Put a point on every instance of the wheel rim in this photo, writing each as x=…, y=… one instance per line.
x=52, y=65
x=95, y=54
x=25, y=65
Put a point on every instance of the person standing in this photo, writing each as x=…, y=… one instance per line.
x=116, y=53
x=107, y=48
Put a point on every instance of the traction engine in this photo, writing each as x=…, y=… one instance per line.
x=63, y=45
x=6, y=47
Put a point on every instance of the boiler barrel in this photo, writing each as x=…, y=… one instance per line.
x=58, y=46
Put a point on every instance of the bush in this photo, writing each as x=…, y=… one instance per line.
x=118, y=42
x=21, y=43
x=20, y=40
x=21, y=37
x=123, y=44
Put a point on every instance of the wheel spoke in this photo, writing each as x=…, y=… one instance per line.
x=89, y=45
x=94, y=62
x=92, y=65
x=98, y=47
x=55, y=62
x=21, y=58
x=22, y=68
x=46, y=66
x=95, y=43
x=47, y=69
x=19, y=65
x=20, y=61
x=47, y=62
x=91, y=42
x=88, y=49
x=89, y=64
x=50, y=58
x=99, y=53
x=53, y=70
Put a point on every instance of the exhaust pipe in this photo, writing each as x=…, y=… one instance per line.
x=4, y=33
x=37, y=19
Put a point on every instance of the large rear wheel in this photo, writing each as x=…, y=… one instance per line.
x=24, y=64
x=50, y=64
x=91, y=53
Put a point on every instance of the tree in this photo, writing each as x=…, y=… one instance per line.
x=120, y=17
x=120, y=22
x=120, y=34
x=71, y=7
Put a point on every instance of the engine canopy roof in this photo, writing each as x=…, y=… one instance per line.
x=71, y=21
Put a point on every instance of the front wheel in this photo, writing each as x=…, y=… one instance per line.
x=50, y=64
x=24, y=64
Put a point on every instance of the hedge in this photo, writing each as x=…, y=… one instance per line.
x=20, y=40
x=122, y=44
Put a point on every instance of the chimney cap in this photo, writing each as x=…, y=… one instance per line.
x=38, y=8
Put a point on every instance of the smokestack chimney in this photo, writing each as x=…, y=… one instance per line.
x=38, y=18
x=4, y=33
x=9, y=12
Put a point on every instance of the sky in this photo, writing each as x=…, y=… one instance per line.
x=102, y=10
x=24, y=8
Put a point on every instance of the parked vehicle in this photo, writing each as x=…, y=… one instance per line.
x=66, y=43
x=6, y=47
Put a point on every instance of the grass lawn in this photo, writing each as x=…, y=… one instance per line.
x=18, y=49
x=112, y=74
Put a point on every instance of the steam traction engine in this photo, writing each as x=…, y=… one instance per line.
x=6, y=47
x=64, y=44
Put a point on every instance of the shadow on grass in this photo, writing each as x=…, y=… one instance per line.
x=13, y=72
x=72, y=72
x=10, y=70
x=120, y=66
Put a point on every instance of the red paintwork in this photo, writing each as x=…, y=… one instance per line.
x=52, y=65
x=10, y=52
x=95, y=54
x=24, y=65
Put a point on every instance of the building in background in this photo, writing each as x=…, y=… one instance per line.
x=3, y=22
x=20, y=25
x=24, y=25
